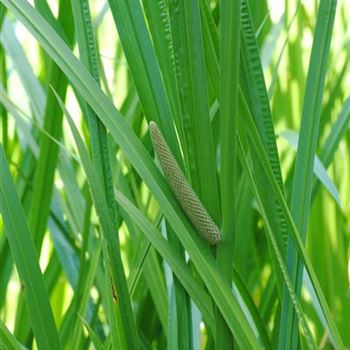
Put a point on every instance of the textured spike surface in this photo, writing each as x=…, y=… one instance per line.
x=187, y=198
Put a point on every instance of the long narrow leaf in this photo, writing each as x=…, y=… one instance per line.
x=303, y=173
x=26, y=260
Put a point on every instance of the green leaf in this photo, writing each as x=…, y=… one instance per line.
x=228, y=99
x=303, y=173
x=180, y=269
x=256, y=143
x=93, y=336
x=255, y=93
x=8, y=340
x=114, y=259
x=22, y=66
x=137, y=46
x=191, y=77
x=26, y=260
x=280, y=263
x=319, y=169
x=337, y=132
x=52, y=124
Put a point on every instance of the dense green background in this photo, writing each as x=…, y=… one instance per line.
x=253, y=99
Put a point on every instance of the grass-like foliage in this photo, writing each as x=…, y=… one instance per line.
x=174, y=174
